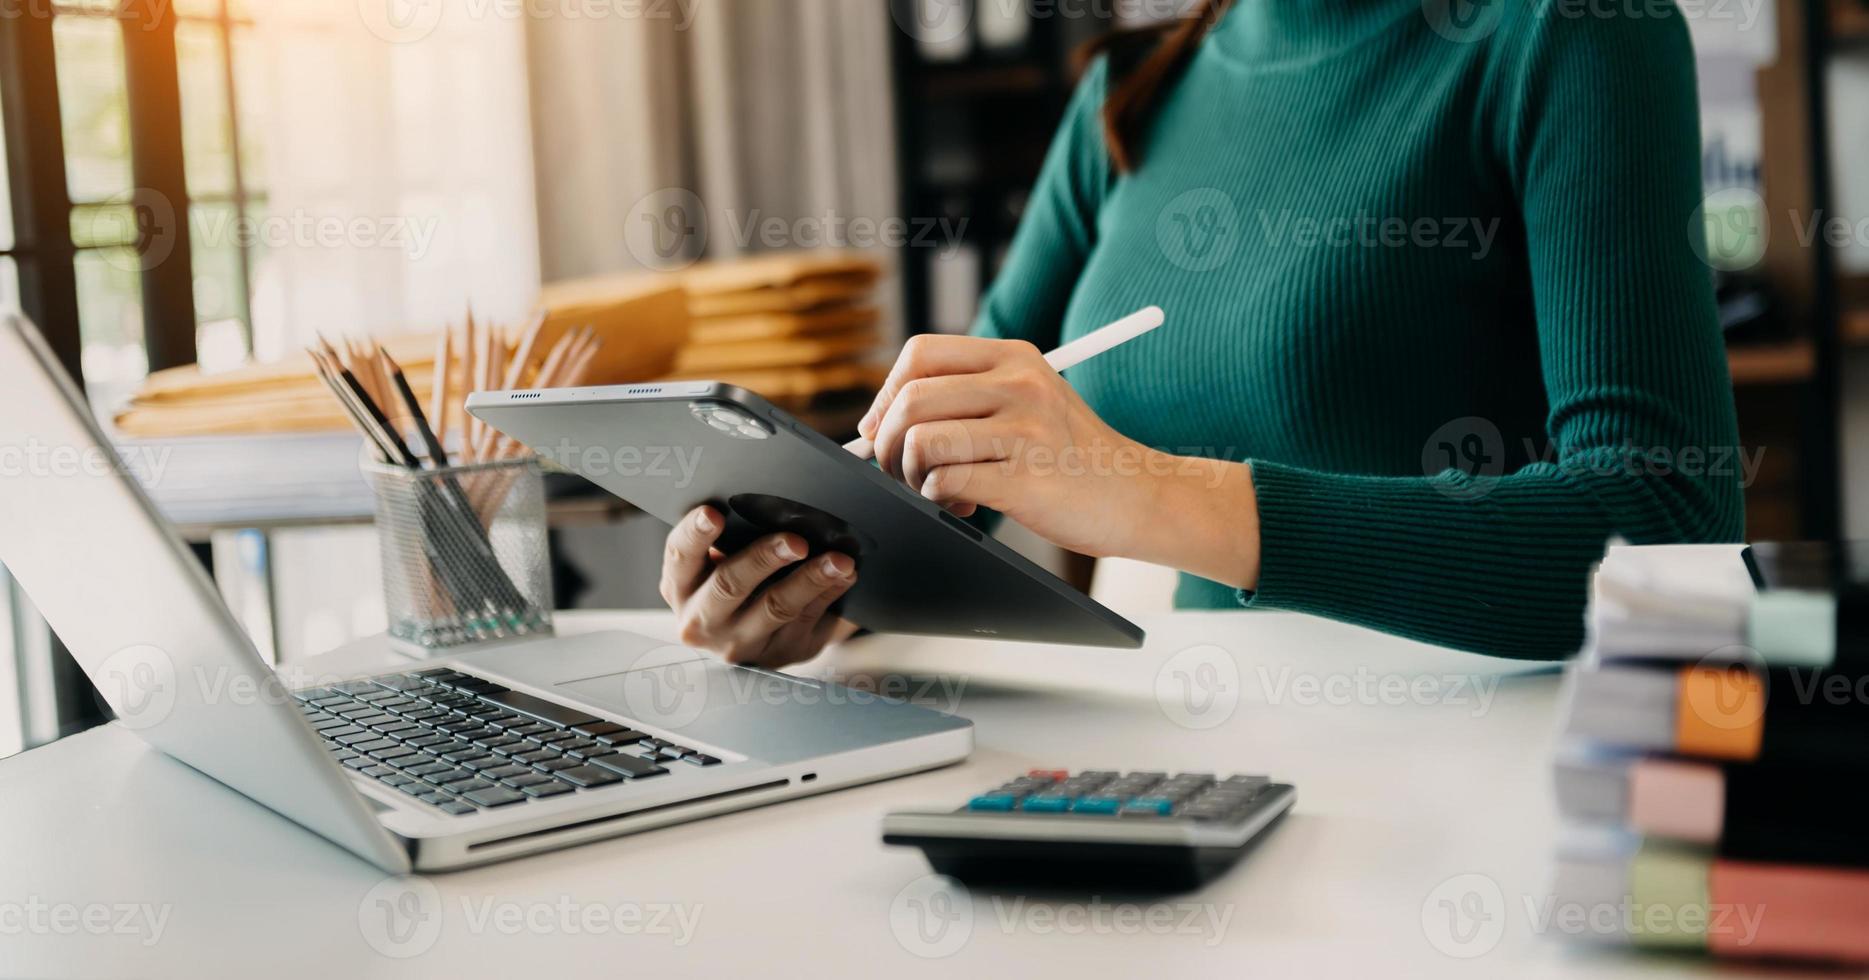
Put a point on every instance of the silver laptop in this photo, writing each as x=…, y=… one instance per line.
x=440, y=764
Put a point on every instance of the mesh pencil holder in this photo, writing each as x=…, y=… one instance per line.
x=465, y=556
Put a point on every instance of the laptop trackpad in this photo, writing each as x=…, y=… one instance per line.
x=756, y=713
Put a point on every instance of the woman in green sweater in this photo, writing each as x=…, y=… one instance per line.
x=1438, y=328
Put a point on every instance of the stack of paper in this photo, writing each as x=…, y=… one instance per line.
x=1715, y=762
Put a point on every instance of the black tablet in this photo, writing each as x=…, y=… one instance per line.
x=668, y=448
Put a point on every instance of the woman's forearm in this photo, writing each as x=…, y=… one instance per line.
x=1204, y=519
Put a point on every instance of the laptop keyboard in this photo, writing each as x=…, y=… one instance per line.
x=465, y=744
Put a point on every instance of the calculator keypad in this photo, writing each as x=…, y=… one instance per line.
x=1140, y=795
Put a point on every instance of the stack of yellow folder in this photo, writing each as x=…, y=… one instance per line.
x=642, y=325
x=791, y=326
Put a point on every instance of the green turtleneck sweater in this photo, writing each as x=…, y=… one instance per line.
x=1437, y=281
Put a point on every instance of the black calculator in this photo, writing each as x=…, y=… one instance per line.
x=1096, y=828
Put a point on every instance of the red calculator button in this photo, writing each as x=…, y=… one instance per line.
x=1055, y=775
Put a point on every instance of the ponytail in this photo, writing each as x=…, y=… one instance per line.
x=1145, y=64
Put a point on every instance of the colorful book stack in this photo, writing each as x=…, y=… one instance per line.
x=1714, y=770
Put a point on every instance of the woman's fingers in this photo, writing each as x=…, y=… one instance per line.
x=929, y=356
x=791, y=607
x=945, y=443
x=686, y=561
x=966, y=485
x=929, y=400
x=709, y=613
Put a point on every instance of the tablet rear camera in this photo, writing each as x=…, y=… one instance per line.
x=730, y=420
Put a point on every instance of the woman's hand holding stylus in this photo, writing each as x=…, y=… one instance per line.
x=971, y=422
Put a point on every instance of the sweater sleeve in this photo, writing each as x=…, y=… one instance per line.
x=1029, y=295
x=1599, y=139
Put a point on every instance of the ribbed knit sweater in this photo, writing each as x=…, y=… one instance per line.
x=1439, y=283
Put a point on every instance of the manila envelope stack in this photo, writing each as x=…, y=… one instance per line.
x=642, y=328
x=790, y=326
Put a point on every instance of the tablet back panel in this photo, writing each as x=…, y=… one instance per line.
x=669, y=448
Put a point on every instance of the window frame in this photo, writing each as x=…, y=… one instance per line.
x=44, y=253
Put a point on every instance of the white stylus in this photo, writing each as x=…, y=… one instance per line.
x=1076, y=352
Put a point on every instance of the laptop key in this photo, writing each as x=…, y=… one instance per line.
x=534, y=758
x=550, y=787
x=451, y=776
x=598, y=728
x=494, y=796
x=627, y=736
x=540, y=708
x=467, y=786
x=632, y=767
x=360, y=735
x=466, y=755
x=427, y=769
x=698, y=759
x=458, y=808
x=553, y=765
x=585, y=776
x=528, y=778
x=378, y=772
x=506, y=771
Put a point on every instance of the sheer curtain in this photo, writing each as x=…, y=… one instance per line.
x=753, y=112
x=398, y=157
x=397, y=151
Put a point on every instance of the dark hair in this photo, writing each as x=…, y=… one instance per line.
x=1145, y=64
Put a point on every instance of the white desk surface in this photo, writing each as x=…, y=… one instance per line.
x=1420, y=845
